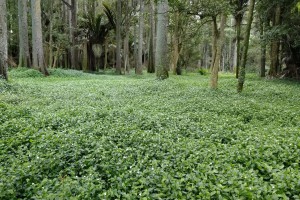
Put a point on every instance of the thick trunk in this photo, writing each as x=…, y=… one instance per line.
x=218, y=41
x=161, y=54
x=3, y=41
x=274, y=66
x=24, y=54
x=118, y=37
x=37, y=37
x=242, y=72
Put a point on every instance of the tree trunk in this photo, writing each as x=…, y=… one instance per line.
x=161, y=53
x=263, y=51
x=105, y=54
x=274, y=66
x=176, y=36
x=242, y=72
x=73, y=27
x=37, y=37
x=3, y=41
x=218, y=40
x=24, y=54
x=126, y=39
x=118, y=37
x=237, y=60
x=85, y=57
x=139, y=66
x=135, y=50
x=151, y=59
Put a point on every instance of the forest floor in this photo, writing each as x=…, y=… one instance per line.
x=84, y=136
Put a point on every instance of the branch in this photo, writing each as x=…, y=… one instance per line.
x=67, y=4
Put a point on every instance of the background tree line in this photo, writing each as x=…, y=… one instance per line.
x=160, y=36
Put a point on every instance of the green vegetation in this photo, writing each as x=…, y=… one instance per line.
x=82, y=136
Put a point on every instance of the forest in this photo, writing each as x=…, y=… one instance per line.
x=149, y=99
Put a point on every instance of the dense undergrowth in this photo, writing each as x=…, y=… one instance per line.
x=81, y=136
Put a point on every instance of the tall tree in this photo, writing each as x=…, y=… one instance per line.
x=263, y=49
x=118, y=36
x=161, y=53
x=72, y=6
x=127, y=12
x=37, y=38
x=218, y=40
x=3, y=40
x=175, y=43
x=151, y=58
x=275, y=44
x=73, y=27
x=238, y=16
x=24, y=54
x=139, y=67
x=242, y=72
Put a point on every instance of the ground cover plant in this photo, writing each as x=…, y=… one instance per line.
x=82, y=136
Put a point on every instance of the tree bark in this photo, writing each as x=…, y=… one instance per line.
x=85, y=56
x=139, y=66
x=126, y=39
x=274, y=66
x=161, y=54
x=24, y=54
x=151, y=59
x=37, y=38
x=73, y=27
x=175, y=43
x=3, y=41
x=218, y=40
x=263, y=51
x=242, y=72
x=118, y=37
x=238, y=21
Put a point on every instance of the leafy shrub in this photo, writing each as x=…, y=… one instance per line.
x=66, y=73
x=22, y=72
x=202, y=71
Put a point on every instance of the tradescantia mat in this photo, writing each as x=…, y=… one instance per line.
x=82, y=136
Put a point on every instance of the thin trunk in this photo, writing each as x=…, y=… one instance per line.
x=3, y=41
x=55, y=58
x=139, y=67
x=24, y=54
x=135, y=50
x=175, y=43
x=85, y=56
x=238, y=20
x=50, y=59
x=161, y=54
x=242, y=72
x=118, y=37
x=151, y=59
x=263, y=52
x=126, y=39
x=105, y=54
x=73, y=27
